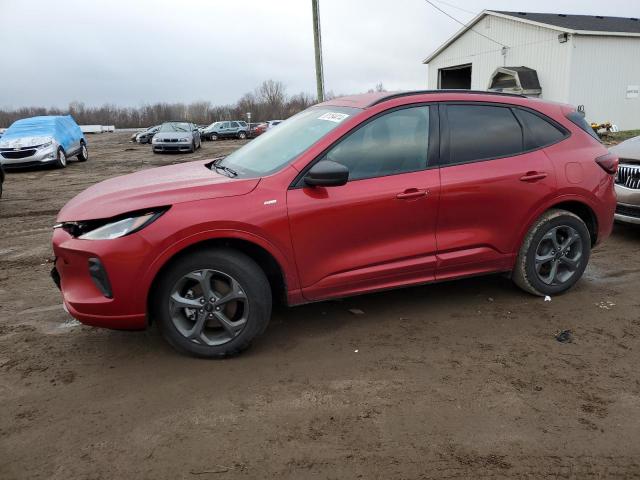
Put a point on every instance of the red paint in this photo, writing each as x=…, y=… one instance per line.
x=367, y=235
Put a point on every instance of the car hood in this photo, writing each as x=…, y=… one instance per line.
x=155, y=187
x=171, y=135
x=13, y=141
x=629, y=149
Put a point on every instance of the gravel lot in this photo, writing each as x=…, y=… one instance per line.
x=454, y=380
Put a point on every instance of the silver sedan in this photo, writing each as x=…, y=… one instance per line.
x=176, y=137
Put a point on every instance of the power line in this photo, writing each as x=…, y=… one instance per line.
x=464, y=24
x=513, y=47
x=456, y=7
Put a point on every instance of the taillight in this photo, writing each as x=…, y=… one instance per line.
x=608, y=162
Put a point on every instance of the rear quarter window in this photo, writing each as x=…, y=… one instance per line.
x=577, y=119
x=538, y=132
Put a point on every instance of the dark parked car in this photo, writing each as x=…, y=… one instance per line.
x=227, y=129
x=351, y=196
x=146, y=135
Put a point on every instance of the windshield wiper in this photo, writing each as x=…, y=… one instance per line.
x=224, y=168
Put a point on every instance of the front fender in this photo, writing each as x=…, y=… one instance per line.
x=183, y=244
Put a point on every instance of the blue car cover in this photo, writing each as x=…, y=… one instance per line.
x=30, y=131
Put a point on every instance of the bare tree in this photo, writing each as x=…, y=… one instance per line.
x=269, y=101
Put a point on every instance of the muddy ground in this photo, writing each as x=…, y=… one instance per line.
x=454, y=380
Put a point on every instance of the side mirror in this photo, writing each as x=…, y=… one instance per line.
x=326, y=173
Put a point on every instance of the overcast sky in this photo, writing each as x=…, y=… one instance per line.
x=130, y=52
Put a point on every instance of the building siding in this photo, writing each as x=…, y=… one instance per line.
x=601, y=70
x=530, y=46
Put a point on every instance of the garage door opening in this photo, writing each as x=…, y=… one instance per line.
x=458, y=78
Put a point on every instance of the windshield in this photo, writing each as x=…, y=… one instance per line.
x=278, y=147
x=175, y=127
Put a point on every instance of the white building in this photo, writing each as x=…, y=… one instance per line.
x=587, y=61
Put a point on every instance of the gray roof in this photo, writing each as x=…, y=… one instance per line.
x=580, y=22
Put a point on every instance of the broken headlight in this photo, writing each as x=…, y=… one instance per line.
x=112, y=228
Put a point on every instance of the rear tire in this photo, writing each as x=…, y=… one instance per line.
x=213, y=137
x=83, y=156
x=554, y=254
x=242, y=135
x=199, y=278
x=61, y=160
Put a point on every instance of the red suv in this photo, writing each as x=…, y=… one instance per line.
x=350, y=196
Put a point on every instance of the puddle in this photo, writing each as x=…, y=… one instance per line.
x=69, y=324
x=50, y=320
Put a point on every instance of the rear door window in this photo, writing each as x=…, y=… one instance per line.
x=482, y=132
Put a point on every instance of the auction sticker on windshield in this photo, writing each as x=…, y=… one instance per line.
x=333, y=117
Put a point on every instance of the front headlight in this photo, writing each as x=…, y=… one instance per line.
x=116, y=228
x=46, y=145
x=183, y=139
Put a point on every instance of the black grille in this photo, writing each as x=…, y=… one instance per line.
x=9, y=153
x=169, y=140
x=628, y=211
x=629, y=176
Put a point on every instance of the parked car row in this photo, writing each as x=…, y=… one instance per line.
x=216, y=131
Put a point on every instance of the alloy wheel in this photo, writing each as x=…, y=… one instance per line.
x=558, y=255
x=208, y=307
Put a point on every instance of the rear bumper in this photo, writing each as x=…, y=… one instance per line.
x=124, y=308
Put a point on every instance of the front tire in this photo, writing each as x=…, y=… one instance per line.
x=554, y=254
x=212, y=303
x=83, y=156
x=61, y=160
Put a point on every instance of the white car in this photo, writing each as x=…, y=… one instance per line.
x=273, y=123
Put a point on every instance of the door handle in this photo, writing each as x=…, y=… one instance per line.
x=533, y=176
x=412, y=193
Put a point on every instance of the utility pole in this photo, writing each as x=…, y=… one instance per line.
x=318, y=48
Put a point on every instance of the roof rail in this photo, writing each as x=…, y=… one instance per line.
x=422, y=92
